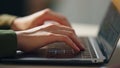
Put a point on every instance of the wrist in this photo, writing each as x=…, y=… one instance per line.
x=15, y=24
x=19, y=24
x=19, y=39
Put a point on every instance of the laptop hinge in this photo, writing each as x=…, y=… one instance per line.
x=102, y=43
x=97, y=50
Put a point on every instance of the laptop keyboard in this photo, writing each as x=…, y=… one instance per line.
x=89, y=51
x=61, y=50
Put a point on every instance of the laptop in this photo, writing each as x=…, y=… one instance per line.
x=98, y=49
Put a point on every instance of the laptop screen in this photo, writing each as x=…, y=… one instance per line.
x=110, y=29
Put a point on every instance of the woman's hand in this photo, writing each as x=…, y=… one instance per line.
x=33, y=33
x=40, y=36
x=38, y=19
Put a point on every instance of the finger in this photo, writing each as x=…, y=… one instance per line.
x=63, y=18
x=66, y=39
x=72, y=36
x=50, y=15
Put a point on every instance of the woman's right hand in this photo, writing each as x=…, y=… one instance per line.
x=40, y=36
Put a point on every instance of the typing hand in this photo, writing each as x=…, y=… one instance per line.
x=29, y=40
x=37, y=19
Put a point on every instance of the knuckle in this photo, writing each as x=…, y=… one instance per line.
x=70, y=33
x=63, y=37
x=73, y=31
x=64, y=18
x=47, y=10
x=51, y=35
x=52, y=26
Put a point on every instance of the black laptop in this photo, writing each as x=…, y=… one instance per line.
x=98, y=49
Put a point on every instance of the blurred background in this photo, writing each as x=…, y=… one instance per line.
x=77, y=11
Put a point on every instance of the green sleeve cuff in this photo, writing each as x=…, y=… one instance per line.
x=6, y=21
x=8, y=43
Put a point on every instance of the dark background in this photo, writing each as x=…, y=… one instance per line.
x=14, y=7
x=23, y=7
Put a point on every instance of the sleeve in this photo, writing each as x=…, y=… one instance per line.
x=8, y=38
x=8, y=43
x=6, y=21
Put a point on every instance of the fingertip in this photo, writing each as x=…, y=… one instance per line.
x=76, y=49
x=82, y=49
x=81, y=46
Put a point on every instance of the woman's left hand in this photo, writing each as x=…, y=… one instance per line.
x=38, y=19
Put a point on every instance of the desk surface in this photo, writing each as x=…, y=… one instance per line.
x=81, y=30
